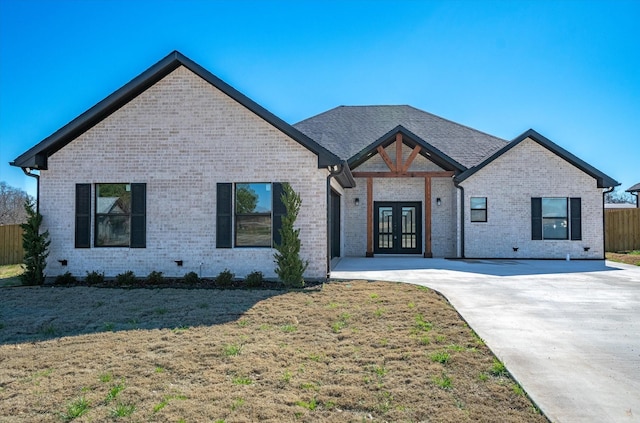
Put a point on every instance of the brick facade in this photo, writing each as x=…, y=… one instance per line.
x=509, y=182
x=181, y=136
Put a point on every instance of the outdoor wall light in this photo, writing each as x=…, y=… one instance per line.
x=357, y=201
x=587, y=249
x=515, y=249
x=438, y=201
x=63, y=262
x=178, y=262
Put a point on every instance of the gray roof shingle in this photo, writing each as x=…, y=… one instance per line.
x=347, y=130
x=635, y=188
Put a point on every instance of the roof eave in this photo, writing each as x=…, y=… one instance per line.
x=603, y=180
x=37, y=155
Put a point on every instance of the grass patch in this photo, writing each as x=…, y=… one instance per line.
x=264, y=370
x=628, y=257
x=75, y=409
x=10, y=274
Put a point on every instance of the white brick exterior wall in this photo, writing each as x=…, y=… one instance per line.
x=180, y=137
x=509, y=182
x=443, y=239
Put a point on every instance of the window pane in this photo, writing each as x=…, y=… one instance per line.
x=253, y=198
x=478, y=215
x=554, y=228
x=253, y=231
x=113, y=199
x=112, y=231
x=554, y=207
x=478, y=203
x=385, y=220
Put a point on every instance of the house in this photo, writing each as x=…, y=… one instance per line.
x=177, y=171
x=634, y=190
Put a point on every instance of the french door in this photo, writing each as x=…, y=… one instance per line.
x=397, y=228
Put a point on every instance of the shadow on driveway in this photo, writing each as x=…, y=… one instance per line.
x=493, y=267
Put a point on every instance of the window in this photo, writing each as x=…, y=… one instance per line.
x=120, y=215
x=478, y=209
x=556, y=218
x=249, y=214
x=253, y=215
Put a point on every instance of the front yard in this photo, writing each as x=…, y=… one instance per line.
x=352, y=351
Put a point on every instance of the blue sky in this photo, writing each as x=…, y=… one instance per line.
x=568, y=69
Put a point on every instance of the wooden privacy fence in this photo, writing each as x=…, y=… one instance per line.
x=622, y=230
x=11, y=251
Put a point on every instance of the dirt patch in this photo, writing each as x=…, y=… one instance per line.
x=351, y=351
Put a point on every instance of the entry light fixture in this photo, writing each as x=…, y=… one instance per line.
x=63, y=262
x=438, y=201
x=357, y=201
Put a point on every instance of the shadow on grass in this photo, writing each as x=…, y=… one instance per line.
x=32, y=314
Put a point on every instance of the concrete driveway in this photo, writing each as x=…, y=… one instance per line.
x=568, y=331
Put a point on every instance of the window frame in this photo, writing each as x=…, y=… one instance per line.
x=136, y=215
x=485, y=209
x=572, y=219
x=243, y=215
x=564, y=218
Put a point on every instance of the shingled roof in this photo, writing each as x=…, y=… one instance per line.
x=347, y=130
x=635, y=188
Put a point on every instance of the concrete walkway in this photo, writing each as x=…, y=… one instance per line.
x=569, y=332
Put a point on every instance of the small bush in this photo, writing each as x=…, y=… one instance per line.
x=254, y=279
x=94, y=278
x=225, y=278
x=65, y=279
x=126, y=278
x=155, y=278
x=191, y=278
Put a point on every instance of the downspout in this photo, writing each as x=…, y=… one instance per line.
x=27, y=171
x=604, y=223
x=334, y=172
x=455, y=183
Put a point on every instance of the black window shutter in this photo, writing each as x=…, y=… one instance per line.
x=279, y=210
x=138, y=215
x=83, y=215
x=224, y=217
x=576, y=218
x=536, y=218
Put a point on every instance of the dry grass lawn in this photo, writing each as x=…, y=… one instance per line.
x=351, y=351
x=632, y=257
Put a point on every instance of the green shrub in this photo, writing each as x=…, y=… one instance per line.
x=35, y=246
x=94, y=278
x=225, y=278
x=126, y=278
x=254, y=279
x=66, y=279
x=290, y=267
x=191, y=278
x=155, y=278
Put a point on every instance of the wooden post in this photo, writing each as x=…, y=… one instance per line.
x=369, y=217
x=427, y=217
x=398, y=152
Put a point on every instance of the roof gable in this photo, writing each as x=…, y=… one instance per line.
x=410, y=139
x=36, y=157
x=602, y=179
x=348, y=130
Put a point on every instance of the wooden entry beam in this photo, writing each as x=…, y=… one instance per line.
x=427, y=217
x=369, y=217
x=432, y=174
x=398, y=168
